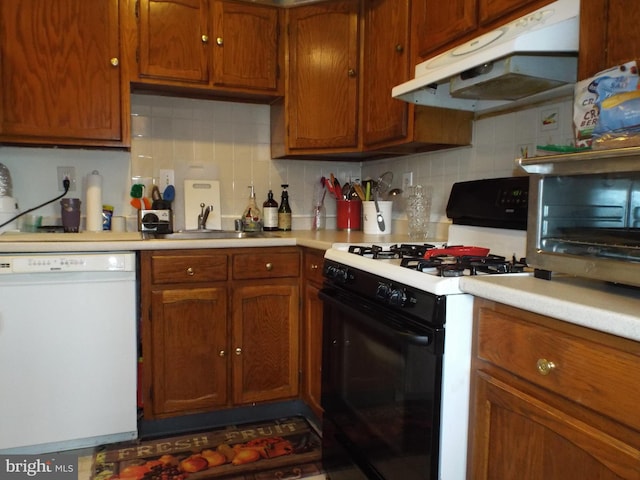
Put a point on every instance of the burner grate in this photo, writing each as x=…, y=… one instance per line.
x=395, y=251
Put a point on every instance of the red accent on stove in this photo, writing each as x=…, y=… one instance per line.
x=458, y=251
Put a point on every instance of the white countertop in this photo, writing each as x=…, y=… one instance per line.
x=598, y=305
x=118, y=241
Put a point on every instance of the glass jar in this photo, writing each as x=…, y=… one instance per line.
x=419, y=212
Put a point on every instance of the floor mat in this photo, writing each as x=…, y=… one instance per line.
x=282, y=449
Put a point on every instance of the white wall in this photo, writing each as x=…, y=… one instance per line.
x=231, y=142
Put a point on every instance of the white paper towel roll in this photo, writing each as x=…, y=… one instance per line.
x=94, y=202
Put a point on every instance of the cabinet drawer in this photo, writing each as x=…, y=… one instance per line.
x=252, y=265
x=188, y=268
x=595, y=375
x=312, y=265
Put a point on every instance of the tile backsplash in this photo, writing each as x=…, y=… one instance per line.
x=230, y=142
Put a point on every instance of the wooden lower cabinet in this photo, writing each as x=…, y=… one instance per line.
x=551, y=400
x=218, y=331
x=265, y=342
x=188, y=358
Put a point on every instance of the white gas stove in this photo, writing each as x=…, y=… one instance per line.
x=408, y=281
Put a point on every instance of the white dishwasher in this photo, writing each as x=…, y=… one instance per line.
x=68, y=350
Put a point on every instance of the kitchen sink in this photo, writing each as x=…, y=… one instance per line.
x=206, y=235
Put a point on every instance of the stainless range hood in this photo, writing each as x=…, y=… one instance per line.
x=531, y=59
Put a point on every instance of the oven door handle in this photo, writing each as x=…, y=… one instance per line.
x=374, y=312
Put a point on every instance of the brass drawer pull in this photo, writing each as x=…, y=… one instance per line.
x=190, y=272
x=238, y=351
x=205, y=38
x=314, y=266
x=545, y=366
x=269, y=266
x=222, y=353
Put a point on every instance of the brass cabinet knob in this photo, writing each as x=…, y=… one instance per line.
x=399, y=48
x=351, y=72
x=219, y=41
x=190, y=272
x=238, y=351
x=545, y=366
x=114, y=61
x=269, y=266
x=222, y=353
x=314, y=266
x=205, y=38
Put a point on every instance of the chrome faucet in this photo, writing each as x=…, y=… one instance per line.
x=204, y=214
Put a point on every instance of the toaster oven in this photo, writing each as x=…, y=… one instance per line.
x=584, y=215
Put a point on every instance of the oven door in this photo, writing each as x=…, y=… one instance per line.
x=381, y=390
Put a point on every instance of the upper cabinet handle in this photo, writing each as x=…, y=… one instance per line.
x=399, y=48
x=114, y=61
x=219, y=41
x=205, y=38
x=351, y=72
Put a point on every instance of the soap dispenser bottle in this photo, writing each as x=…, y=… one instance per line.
x=251, y=218
x=284, y=212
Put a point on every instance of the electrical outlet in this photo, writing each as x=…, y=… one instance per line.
x=69, y=173
x=167, y=177
x=407, y=181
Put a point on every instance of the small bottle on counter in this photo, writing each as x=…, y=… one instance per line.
x=252, y=218
x=270, y=212
x=284, y=212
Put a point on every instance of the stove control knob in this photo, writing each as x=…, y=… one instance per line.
x=339, y=274
x=383, y=291
x=397, y=297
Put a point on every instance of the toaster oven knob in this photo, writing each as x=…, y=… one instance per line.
x=397, y=297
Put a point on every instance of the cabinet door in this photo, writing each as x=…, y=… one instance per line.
x=623, y=41
x=265, y=341
x=517, y=435
x=173, y=40
x=246, y=50
x=189, y=350
x=491, y=10
x=323, y=74
x=385, y=65
x=436, y=23
x=59, y=72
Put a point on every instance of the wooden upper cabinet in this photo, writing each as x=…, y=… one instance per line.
x=245, y=45
x=173, y=39
x=323, y=76
x=609, y=42
x=438, y=26
x=437, y=23
x=60, y=72
x=491, y=10
x=386, y=64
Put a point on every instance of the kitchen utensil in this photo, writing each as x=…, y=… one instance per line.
x=329, y=186
x=359, y=191
x=383, y=184
x=136, y=193
x=336, y=187
x=169, y=193
x=346, y=190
